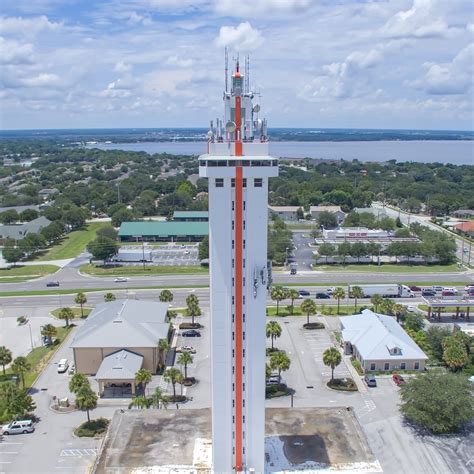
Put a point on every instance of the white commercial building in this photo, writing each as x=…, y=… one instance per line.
x=380, y=343
x=355, y=233
x=238, y=167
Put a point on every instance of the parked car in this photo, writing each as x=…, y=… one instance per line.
x=120, y=280
x=273, y=381
x=438, y=289
x=186, y=349
x=191, y=333
x=451, y=289
x=448, y=293
x=398, y=379
x=428, y=292
x=322, y=296
x=370, y=381
x=304, y=293
x=52, y=283
x=18, y=427
x=411, y=308
x=415, y=288
x=469, y=287
x=72, y=369
x=330, y=290
x=63, y=365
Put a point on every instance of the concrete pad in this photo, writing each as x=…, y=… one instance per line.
x=297, y=439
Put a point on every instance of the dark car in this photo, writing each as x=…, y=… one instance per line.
x=191, y=333
x=52, y=283
x=324, y=296
x=415, y=288
x=370, y=381
x=428, y=293
x=304, y=293
x=398, y=379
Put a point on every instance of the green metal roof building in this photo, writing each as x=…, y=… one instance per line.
x=191, y=216
x=163, y=230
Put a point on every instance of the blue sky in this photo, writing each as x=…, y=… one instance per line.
x=159, y=63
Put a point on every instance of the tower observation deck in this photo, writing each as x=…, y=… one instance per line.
x=238, y=167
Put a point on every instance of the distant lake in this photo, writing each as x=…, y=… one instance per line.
x=459, y=152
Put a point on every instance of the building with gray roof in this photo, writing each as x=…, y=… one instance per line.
x=120, y=337
x=380, y=343
x=20, y=231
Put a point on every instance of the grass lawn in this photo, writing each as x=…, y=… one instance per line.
x=38, y=358
x=138, y=270
x=283, y=311
x=76, y=311
x=73, y=243
x=424, y=307
x=326, y=309
x=389, y=268
x=25, y=272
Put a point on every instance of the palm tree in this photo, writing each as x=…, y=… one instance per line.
x=281, y=362
x=86, y=400
x=108, y=297
x=184, y=359
x=173, y=376
x=387, y=306
x=20, y=366
x=143, y=378
x=376, y=300
x=163, y=348
x=293, y=295
x=166, y=296
x=273, y=330
x=49, y=331
x=158, y=399
x=339, y=294
x=332, y=358
x=140, y=402
x=308, y=306
x=81, y=300
x=77, y=382
x=357, y=292
x=278, y=294
x=193, y=308
x=66, y=314
x=399, y=311
x=5, y=357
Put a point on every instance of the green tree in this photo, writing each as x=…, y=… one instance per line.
x=308, y=306
x=86, y=400
x=464, y=339
x=163, y=348
x=107, y=231
x=77, y=382
x=339, y=294
x=158, y=399
x=435, y=337
x=400, y=311
x=327, y=250
x=376, y=300
x=66, y=314
x=184, y=359
x=14, y=401
x=143, y=377
x=173, y=375
x=332, y=358
x=328, y=220
x=5, y=357
x=122, y=215
x=273, y=330
x=293, y=295
x=454, y=353
x=108, y=297
x=281, y=362
x=440, y=402
x=413, y=321
x=103, y=248
x=140, y=402
x=11, y=253
x=9, y=217
x=193, y=309
x=203, y=249
x=75, y=217
x=49, y=331
x=344, y=250
x=166, y=296
x=278, y=294
x=356, y=293
x=299, y=213
x=387, y=306
x=21, y=366
x=53, y=231
x=81, y=300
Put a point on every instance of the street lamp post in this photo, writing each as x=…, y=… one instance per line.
x=31, y=335
x=286, y=256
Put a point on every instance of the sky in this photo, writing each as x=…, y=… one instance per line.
x=160, y=63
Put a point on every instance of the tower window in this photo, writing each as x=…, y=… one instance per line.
x=243, y=262
x=232, y=182
x=233, y=317
x=232, y=225
x=233, y=281
x=243, y=317
x=233, y=263
x=243, y=337
x=233, y=244
x=219, y=182
x=243, y=352
x=243, y=299
x=233, y=299
x=244, y=224
x=258, y=182
x=244, y=182
x=243, y=243
x=244, y=205
x=243, y=281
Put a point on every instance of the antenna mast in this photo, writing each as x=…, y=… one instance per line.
x=226, y=67
x=247, y=74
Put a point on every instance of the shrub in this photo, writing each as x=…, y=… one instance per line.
x=273, y=350
x=346, y=385
x=313, y=326
x=190, y=326
x=357, y=365
x=92, y=428
x=274, y=391
x=177, y=399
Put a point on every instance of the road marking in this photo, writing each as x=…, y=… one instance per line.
x=78, y=452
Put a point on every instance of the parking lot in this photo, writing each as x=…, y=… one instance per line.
x=167, y=254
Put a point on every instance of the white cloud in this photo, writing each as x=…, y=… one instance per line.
x=258, y=8
x=240, y=38
x=12, y=52
x=26, y=26
x=175, y=61
x=121, y=66
x=42, y=80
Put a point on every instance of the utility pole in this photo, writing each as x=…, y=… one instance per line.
x=31, y=335
x=143, y=253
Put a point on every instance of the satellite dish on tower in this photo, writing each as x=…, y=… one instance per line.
x=256, y=108
x=230, y=126
x=210, y=134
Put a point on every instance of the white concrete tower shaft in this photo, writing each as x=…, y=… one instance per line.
x=238, y=167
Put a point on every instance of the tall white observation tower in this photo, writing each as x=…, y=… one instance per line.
x=238, y=167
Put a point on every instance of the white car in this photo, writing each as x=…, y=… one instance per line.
x=120, y=280
x=186, y=349
x=411, y=308
x=63, y=365
x=72, y=369
x=17, y=427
